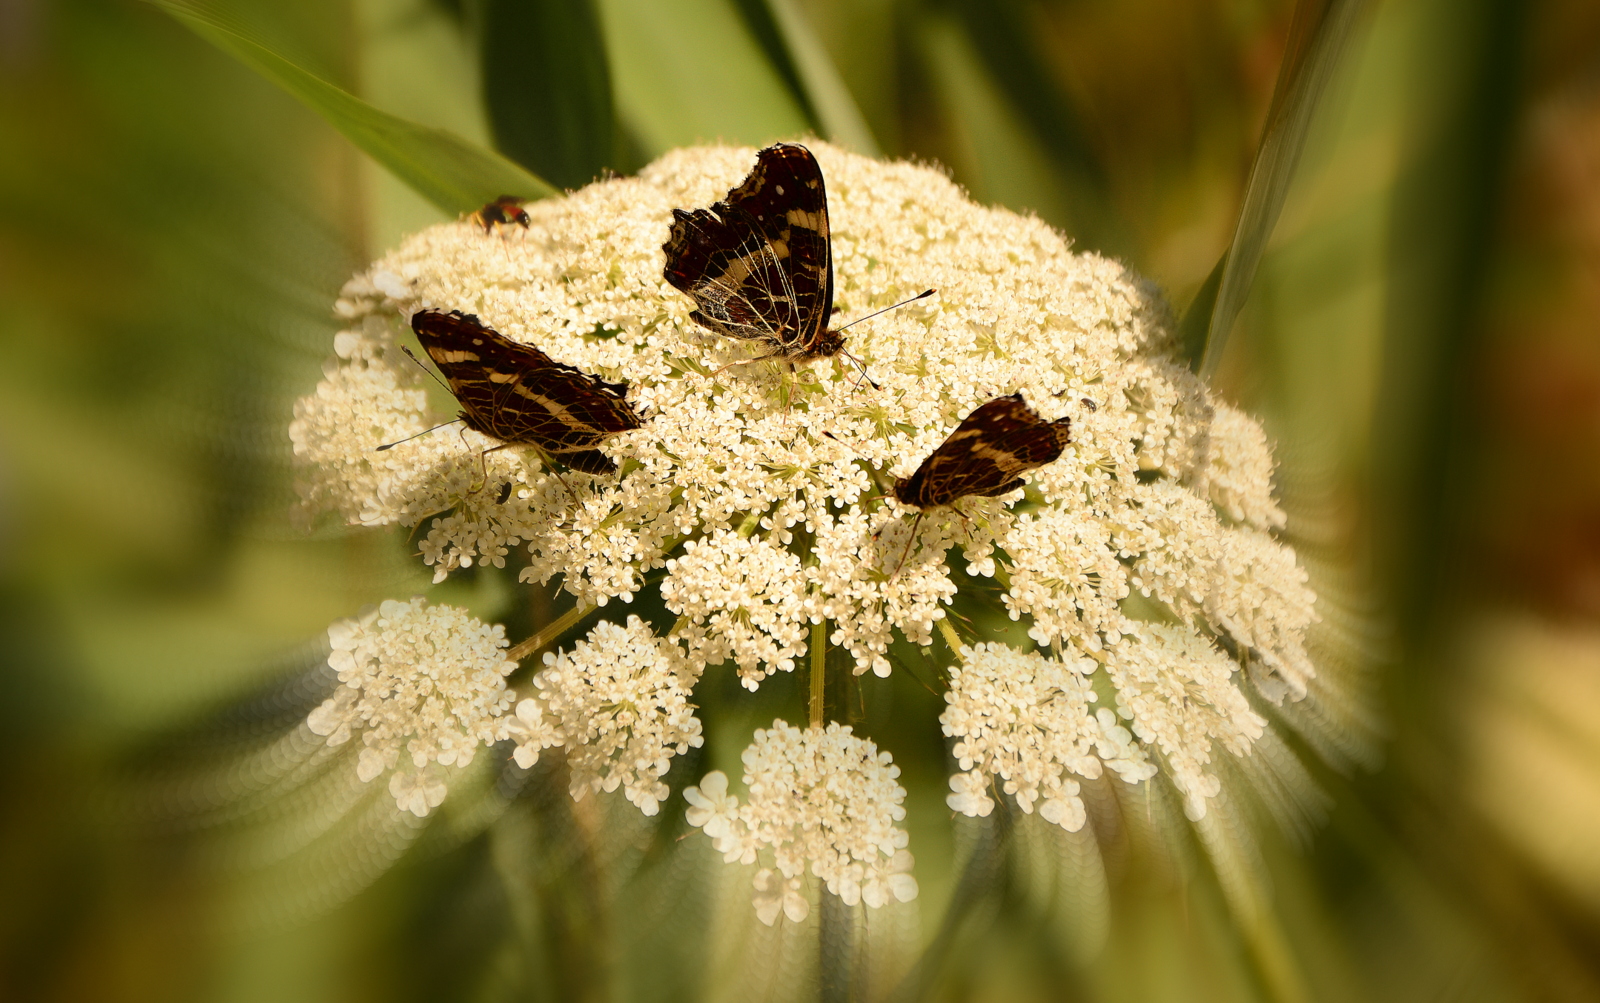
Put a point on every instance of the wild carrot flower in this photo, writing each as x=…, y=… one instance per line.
x=423, y=686
x=1143, y=562
x=819, y=798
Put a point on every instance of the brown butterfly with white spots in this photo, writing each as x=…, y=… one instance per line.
x=759, y=263
x=515, y=393
x=984, y=457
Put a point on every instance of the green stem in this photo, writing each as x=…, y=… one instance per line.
x=819, y=665
x=551, y=632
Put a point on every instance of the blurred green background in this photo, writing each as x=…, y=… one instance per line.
x=1422, y=338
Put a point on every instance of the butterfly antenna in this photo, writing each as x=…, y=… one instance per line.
x=425, y=431
x=871, y=470
x=857, y=385
x=425, y=369
x=846, y=445
x=922, y=295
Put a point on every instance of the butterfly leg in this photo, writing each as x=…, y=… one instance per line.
x=862, y=375
x=550, y=464
x=483, y=467
x=414, y=529
x=911, y=541
x=739, y=362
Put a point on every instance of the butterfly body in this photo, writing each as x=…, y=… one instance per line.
x=515, y=393
x=986, y=455
x=759, y=264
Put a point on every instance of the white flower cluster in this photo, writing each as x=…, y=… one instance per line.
x=618, y=703
x=820, y=797
x=1025, y=719
x=1163, y=490
x=1147, y=547
x=1178, y=692
x=428, y=681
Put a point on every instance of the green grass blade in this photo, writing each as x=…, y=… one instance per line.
x=452, y=173
x=993, y=150
x=690, y=72
x=835, y=110
x=1318, y=36
x=547, y=88
x=1196, y=322
x=1000, y=34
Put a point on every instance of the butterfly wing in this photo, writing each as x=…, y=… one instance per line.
x=517, y=394
x=986, y=455
x=759, y=265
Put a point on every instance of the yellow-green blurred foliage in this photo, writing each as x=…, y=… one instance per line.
x=1423, y=340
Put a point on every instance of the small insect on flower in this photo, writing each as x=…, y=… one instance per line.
x=759, y=264
x=517, y=394
x=503, y=211
x=985, y=456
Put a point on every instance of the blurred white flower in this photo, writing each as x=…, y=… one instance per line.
x=1026, y=719
x=618, y=703
x=423, y=686
x=1178, y=693
x=820, y=799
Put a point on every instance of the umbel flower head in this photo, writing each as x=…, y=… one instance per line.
x=424, y=686
x=822, y=797
x=619, y=705
x=758, y=499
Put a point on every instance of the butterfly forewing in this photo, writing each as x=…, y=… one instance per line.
x=758, y=264
x=517, y=394
x=986, y=455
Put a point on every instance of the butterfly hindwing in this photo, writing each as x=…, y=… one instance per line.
x=515, y=393
x=986, y=455
x=759, y=264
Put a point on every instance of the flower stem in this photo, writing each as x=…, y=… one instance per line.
x=550, y=633
x=819, y=665
x=950, y=636
x=835, y=943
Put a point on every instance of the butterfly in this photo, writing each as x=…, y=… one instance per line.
x=517, y=394
x=503, y=211
x=985, y=456
x=759, y=265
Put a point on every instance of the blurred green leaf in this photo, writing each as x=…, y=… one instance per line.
x=690, y=72
x=450, y=172
x=1317, y=38
x=1004, y=41
x=547, y=88
x=1196, y=322
x=995, y=154
x=830, y=101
